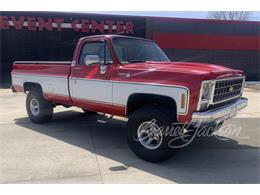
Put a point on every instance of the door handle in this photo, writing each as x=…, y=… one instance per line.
x=77, y=69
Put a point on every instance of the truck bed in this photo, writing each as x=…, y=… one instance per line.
x=52, y=75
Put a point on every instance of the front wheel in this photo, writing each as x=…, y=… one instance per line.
x=38, y=109
x=145, y=135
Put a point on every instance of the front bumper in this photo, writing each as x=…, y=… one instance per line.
x=220, y=114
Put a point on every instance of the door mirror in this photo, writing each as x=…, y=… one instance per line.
x=91, y=60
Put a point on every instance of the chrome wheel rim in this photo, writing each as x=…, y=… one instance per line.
x=34, y=107
x=149, y=135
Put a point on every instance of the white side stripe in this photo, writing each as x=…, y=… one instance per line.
x=115, y=92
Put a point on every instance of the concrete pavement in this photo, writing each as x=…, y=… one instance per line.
x=75, y=148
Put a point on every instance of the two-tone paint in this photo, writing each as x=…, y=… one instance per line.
x=71, y=84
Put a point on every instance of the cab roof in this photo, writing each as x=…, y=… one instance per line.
x=110, y=36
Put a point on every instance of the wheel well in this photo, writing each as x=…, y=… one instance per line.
x=28, y=86
x=136, y=101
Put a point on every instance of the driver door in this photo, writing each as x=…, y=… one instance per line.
x=90, y=85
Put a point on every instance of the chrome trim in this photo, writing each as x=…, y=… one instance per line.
x=102, y=69
x=42, y=62
x=25, y=74
x=211, y=93
x=91, y=60
x=73, y=63
x=225, y=100
x=218, y=114
x=210, y=102
x=230, y=78
x=243, y=85
x=124, y=74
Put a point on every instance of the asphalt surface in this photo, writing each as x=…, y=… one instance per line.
x=75, y=148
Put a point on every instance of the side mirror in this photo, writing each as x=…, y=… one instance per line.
x=91, y=60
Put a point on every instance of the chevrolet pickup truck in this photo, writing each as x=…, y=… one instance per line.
x=132, y=77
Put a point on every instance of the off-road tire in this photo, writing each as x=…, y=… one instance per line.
x=45, y=110
x=147, y=113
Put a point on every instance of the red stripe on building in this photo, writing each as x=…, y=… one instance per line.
x=213, y=42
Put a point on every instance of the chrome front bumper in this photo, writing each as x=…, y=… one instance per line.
x=220, y=114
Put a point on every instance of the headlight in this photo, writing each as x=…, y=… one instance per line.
x=206, y=91
x=205, y=96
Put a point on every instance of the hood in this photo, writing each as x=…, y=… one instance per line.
x=203, y=69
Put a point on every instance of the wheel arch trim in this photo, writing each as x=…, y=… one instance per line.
x=148, y=94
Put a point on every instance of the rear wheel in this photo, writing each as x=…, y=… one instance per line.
x=145, y=135
x=38, y=109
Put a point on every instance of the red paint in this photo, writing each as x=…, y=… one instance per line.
x=202, y=41
x=58, y=99
x=42, y=69
x=91, y=105
x=182, y=74
x=119, y=110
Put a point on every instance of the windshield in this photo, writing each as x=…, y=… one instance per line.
x=130, y=50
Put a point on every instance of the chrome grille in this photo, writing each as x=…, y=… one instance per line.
x=227, y=89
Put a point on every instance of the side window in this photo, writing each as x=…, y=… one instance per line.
x=96, y=48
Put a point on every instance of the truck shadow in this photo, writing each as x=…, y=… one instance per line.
x=206, y=160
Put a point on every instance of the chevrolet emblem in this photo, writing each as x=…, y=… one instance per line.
x=231, y=89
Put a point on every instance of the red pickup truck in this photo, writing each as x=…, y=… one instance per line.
x=132, y=77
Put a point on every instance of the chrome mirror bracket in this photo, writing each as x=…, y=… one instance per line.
x=103, y=69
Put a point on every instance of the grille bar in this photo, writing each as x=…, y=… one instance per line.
x=227, y=89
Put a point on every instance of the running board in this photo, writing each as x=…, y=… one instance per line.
x=105, y=118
